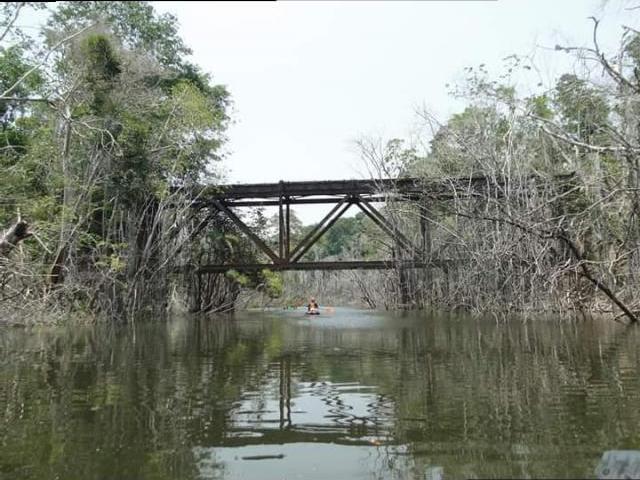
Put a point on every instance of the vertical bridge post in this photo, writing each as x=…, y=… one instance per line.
x=281, y=224
x=287, y=244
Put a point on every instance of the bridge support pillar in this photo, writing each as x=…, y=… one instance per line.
x=425, y=233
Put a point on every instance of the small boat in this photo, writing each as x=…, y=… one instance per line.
x=314, y=312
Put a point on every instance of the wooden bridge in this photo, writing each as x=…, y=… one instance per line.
x=342, y=194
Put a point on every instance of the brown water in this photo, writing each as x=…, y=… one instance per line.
x=354, y=394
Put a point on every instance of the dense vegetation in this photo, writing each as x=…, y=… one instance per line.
x=105, y=123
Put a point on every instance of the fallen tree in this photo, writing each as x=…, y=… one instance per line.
x=13, y=236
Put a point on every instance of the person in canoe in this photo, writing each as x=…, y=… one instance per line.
x=312, y=307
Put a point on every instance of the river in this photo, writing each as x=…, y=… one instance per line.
x=349, y=394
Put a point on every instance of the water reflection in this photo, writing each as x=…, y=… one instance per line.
x=619, y=464
x=353, y=395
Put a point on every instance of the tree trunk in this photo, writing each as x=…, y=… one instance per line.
x=13, y=236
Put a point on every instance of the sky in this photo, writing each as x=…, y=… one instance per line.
x=310, y=78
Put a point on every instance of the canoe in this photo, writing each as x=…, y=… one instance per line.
x=312, y=313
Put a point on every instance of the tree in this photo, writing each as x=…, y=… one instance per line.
x=101, y=167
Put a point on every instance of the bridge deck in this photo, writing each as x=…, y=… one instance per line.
x=331, y=191
x=311, y=188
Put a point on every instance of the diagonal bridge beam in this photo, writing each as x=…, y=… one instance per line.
x=246, y=230
x=391, y=230
x=287, y=259
x=314, y=235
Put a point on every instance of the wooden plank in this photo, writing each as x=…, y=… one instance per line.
x=441, y=188
x=309, y=201
x=322, y=187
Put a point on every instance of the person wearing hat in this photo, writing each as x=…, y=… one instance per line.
x=312, y=307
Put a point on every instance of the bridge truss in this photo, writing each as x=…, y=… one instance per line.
x=342, y=194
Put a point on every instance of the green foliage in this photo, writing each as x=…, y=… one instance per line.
x=239, y=278
x=451, y=151
x=583, y=109
x=272, y=283
x=348, y=238
x=539, y=105
x=195, y=121
x=340, y=234
x=16, y=130
x=135, y=23
x=29, y=175
x=632, y=49
x=342, y=237
x=102, y=69
x=101, y=59
x=133, y=173
x=132, y=118
x=13, y=65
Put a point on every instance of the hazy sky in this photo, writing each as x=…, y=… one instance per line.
x=308, y=78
